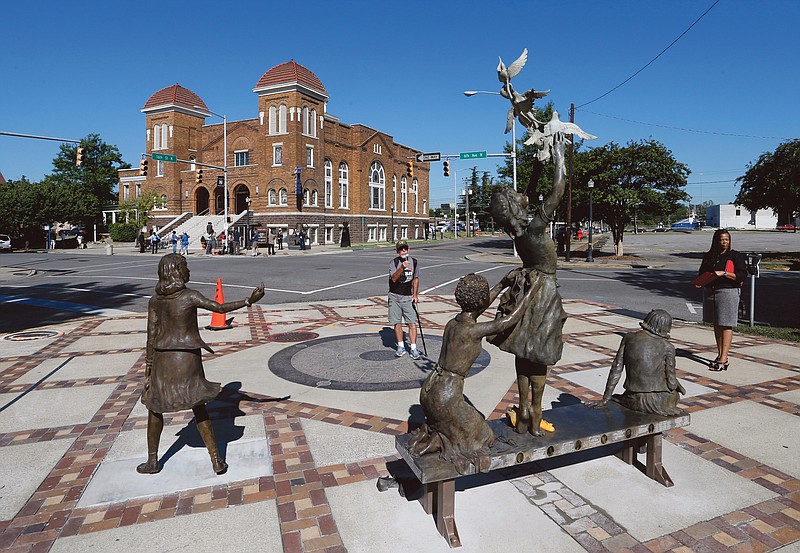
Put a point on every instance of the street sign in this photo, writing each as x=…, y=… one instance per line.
x=471, y=155
x=164, y=157
x=435, y=156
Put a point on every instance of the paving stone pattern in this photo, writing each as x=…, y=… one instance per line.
x=298, y=485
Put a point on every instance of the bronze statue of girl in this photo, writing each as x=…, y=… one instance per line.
x=174, y=377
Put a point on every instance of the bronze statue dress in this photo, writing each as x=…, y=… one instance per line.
x=177, y=381
x=538, y=335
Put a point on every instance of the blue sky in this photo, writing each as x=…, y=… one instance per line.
x=725, y=93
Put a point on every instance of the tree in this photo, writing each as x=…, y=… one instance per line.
x=93, y=182
x=137, y=211
x=642, y=177
x=773, y=181
x=28, y=206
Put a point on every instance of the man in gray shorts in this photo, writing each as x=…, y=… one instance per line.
x=403, y=286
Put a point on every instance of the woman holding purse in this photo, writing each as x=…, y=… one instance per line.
x=721, y=295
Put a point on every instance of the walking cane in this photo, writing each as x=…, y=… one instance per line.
x=419, y=326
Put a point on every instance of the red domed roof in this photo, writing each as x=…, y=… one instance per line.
x=290, y=72
x=175, y=95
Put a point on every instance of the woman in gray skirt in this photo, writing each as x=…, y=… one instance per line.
x=721, y=295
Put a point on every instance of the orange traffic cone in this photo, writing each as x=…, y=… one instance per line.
x=218, y=320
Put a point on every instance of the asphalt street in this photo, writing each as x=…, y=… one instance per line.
x=44, y=288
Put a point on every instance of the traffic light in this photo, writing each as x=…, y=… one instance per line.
x=80, y=156
x=446, y=167
x=198, y=175
x=410, y=168
x=143, y=167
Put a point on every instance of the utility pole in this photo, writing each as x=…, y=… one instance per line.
x=467, y=192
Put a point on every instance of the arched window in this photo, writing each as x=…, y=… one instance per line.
x=314, y=197
x=425, y=207
x=272, y=198
x=415, y=191
x=394, y=192
x=283, y=197
x=313, y=123
x=163, y=201
x=305, y=120
x=404, y=195
x=328, y=183
x=163, y=136
x=192, y=165
x=282, y=119
x=377, y=186
x=157, y=137
x=344, y=183
x=273, y=120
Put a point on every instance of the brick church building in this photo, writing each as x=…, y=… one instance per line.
x=347, y=173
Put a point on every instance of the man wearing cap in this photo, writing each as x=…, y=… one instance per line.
x=403, y=286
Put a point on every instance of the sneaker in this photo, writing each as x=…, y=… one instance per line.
x=401, y=351
x=415, y=354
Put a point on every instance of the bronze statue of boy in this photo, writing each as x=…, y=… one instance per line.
x=454, y=428
x=174, y=376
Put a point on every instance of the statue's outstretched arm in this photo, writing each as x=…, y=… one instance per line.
x=559, y=177
x=613, y=378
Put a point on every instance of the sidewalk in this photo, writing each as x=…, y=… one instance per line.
x=130, y=248
x=313, y=397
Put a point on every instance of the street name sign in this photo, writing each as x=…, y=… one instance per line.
x=164, y=157
x=471, y=155
x=434, y=156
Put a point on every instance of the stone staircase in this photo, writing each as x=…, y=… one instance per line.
x=195, y=227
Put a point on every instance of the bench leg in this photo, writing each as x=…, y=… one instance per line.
x=654, y=468
x=628, y=452
x=445, y=512
x=426, y=500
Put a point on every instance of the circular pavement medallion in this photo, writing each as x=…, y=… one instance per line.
x=360, y=362
x=32, y=335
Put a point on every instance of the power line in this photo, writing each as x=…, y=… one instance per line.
x=652, y=60
x=685, y=129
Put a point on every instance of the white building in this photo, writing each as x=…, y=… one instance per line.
x=738, y=217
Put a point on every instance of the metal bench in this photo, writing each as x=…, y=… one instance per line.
x=577, y=428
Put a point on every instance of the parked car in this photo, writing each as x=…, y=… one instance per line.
x=5, y=243
x=786, y=228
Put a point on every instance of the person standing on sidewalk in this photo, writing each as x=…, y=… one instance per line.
x=280, y=239
x=154, y=240
x=237, y=241
x=270, y=242
x=173, y=239
x=721, y=296
x=403, y=287
x=254, y=243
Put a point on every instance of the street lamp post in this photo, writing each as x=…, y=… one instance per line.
x=224, y=163
x=589, y=253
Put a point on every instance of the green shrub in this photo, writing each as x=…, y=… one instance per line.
x=122, y=232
